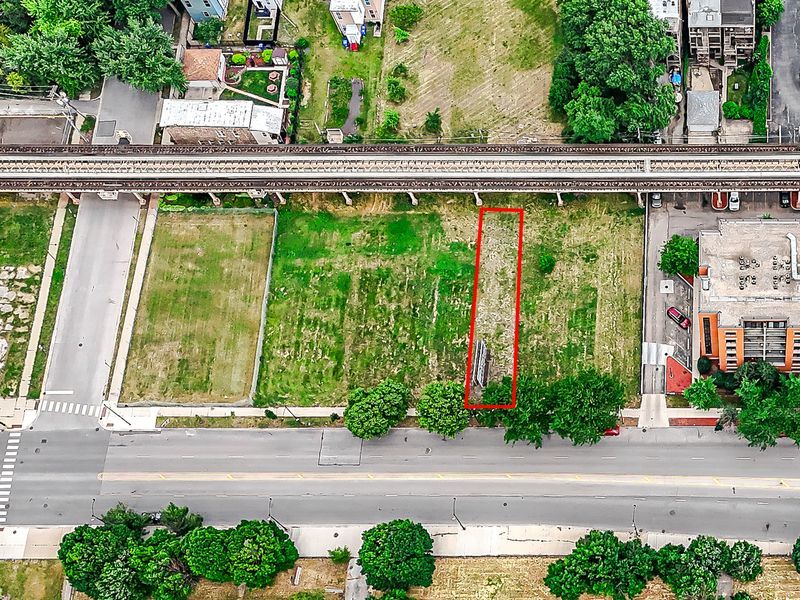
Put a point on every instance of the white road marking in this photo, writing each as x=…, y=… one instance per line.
x=85, y=406
x=58, y=406
x=59, y=392
x=787, y=457
x=11, y=453
x=15, y=434
x=64, y=408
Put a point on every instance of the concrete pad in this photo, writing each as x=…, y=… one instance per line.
x=43, y=542
x=12, y=542
x=339, y=447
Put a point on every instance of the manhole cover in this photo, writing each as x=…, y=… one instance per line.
x=106, y=128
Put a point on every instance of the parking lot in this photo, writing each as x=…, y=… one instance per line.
x=33, y=130
x=683, y=214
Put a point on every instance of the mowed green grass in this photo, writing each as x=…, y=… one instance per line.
x=357, y=298
x=24, y=236
x=197, y=327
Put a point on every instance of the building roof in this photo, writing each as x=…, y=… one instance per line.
x=267, y=118
x=704, y=13
x=738, y=12
x=202, y=64
x=702, y=111
x=716, y=13
x=749, y=272
x=279, y=53
x=346, y=6
x=206, y=113
x=666, y=9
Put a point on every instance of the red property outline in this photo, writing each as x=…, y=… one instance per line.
x=513, y=404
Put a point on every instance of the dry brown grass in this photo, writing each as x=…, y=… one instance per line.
x=30, y=579
x=780, y=581
x=483, y=65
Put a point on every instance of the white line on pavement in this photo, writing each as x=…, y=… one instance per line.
x=85, y=406
x=59, y=393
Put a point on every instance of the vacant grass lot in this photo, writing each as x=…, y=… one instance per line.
x=326, y=58
x=24, y=236
x=366, y=293
x=31, y=579
x=196, y=331
x=486, y=68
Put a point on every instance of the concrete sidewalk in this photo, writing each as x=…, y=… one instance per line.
x=448, y=540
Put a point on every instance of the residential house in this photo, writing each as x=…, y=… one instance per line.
x=722, y=31
x=221, y=122
x=261, y=24
x=199, y=10
x=352, y=16
x=204, y=69
x=670, y=11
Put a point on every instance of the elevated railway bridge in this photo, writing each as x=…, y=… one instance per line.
x=400, y=168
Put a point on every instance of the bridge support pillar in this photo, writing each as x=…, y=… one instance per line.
x=559, y=199
x=639, y=199
x=478, y=199
x=76, y=198
x=142, y=200
x=215, y=199
x=414, y=201
x=347, y=199
x=280, y=197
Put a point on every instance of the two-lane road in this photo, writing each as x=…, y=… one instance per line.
x=681, y=480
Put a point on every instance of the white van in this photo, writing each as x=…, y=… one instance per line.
x=733, y=201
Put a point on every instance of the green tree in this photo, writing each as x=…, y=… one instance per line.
x=86, y=550
x=54, y=56
x=140, y=55
x=396, y=91
x=397, y=555
x=586, y=405
x=685, y=572
x=433, y=122
x=533, y=415
x=81, y=19
x=14, y=15
x=590, y=115
x=339, y=556
x=768, y=12
x=796, y=555
x=710, y=554
x=745, y=561
x=179, y=520
x=160, y=564
x=123, y=515
x=765, y=416
x=680, y=255
x=371, y=414
x=119, y=581
x=564, y=81
x=760, y=372
x=125, y=10
x=703, y=394
x=602, y=564
x=406, y=16
x=259, y=550
x=206, y=551
x=441, y=409
x=401, y=35
x=209, y=31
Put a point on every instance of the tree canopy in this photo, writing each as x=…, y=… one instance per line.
x=258, y=550
x=680, y=255
x=370, y=414
x=209, y=31
x=606, y=79
x=586, y=405
x=703, y=394
x=766, y=415
x=397, y=555
x=441, y=408
x=768, y=12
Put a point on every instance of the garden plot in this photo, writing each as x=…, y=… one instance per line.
x=24, y=236
x=197, y=327
x=486, y=68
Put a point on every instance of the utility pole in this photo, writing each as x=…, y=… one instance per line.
x=94, y=516
x=455, y=516
x=633, y=522
x=271, y=518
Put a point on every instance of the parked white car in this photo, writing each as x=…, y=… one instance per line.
x=733, y=201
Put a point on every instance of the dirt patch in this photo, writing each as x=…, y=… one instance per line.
x=31, y=579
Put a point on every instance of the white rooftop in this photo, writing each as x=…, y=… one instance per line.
x=705, y=13
x=665, y=9
x=346, y=5
x=267, y=118
x=206, y=113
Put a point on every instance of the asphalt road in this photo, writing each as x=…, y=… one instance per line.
x=681, y=480
x=785, y=111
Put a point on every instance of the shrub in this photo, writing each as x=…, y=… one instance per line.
x=16, y=81
x=405, y=16
x=433, y=122
x=547, y=262
x=759, y=372
x=266, y=55
x=745, y=561
x=301, y=43
x=731, y=110
x=209, y=31
x=796, y=555
x=399, y=70
x=704, y=365
x=703, y=394
x=400, y=35
x=396, y=90
x=725, y=380
x=340, y=555
x=293, y=55
x=680, y=254
x=238, y=59
x=741, y=596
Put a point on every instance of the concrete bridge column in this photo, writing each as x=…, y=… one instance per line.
x=414, y=201
x=639, y=199
x=560, y=200
x=215, y=199
x=281, y=198
x=478, y=200
x=347, y=199
x=142, y=200
x=74, y=197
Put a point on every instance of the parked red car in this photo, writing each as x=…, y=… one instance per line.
x=613, y=431
x=681, y=319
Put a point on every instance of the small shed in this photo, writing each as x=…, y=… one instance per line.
x=280, y=57
x=702, y=111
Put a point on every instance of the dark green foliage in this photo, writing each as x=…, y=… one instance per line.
x=745, y=561
x=396, y=91
x=760, y=372
x=179, y=520
x=725, y=380
x=703, y=394
x=395, y=595
x=602, y=564
x=704, y=365
x=391, y=123
x=796, y=555
x=122, y=515
x=729, y=417
x=397, y=555
x=292, y=87
x=206, y=551
x=532, y=417
x=399, y=70
x=301, y=43
x=605, y=81
x=139, y=9
x=159, y=564
x=405, y=16
x=693, y=572
x=86, y=550
x=371, y=414
x=433, y=122
x=768, y=414
x=731, y=110
x=209, y=31
x=758, y=86
x=14, y=15
x=741, y=596
x=258, y=551
x=768, y=12
x=680, y=255
x=339, y=92
x=588, y=404
x=340, y=556
x=119, y=581
x=441, y=409
x=547, y=262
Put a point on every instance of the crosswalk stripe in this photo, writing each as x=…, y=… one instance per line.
x=5, y=473
x=93, y=410
x=9, y=460
x=58, y=406
x=10, y=447
x=85, y=406
x=44, y=405
x=15, y=434
x=64, y=408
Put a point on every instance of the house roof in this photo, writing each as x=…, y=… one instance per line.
x=267, y=118
x=738, y=12
x=665, y=9
x=202, y=64
x=702, y=111
x=716, y=13
x=206, y=113
x=279, y=53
